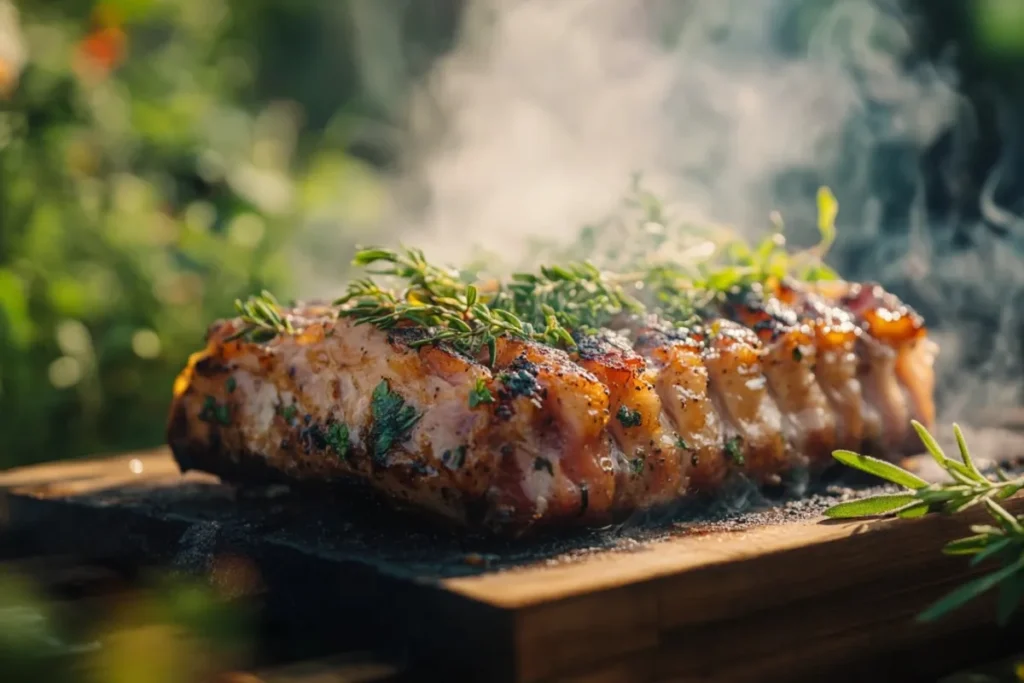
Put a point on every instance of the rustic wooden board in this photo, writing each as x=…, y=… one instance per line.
x=800, y=600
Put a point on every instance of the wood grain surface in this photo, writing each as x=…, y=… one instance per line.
x=807, y=600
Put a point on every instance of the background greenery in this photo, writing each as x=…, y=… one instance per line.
x=159, y=158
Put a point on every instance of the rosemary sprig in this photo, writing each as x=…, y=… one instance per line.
x=578, y=295
x=674, y=270
x=1002, y=541
x=557, y=303
x=544, y=307
x=261, y=318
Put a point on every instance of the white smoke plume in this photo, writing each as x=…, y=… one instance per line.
x=532, y=126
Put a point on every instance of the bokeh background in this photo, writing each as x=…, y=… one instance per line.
x=159, y=158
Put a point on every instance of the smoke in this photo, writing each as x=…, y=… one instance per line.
x=532, y=126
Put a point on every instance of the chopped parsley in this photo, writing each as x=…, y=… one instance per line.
x=214, y=412
x=798, y=355
x=734, y=450
x=230, y=385
x=337, y=439
x=288, y=412
x=480, y=394
x=629, y=418
x=681, y=442
x=393, y=420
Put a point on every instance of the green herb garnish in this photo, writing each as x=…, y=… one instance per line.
x=288, y=412
x=734, y=450
x=1002, y=541
x=480, y=394
x=393, y=420
x=211, y=411
x=576, y=297
x=231, y=385
x=542, y=307
x=261, y=318
x=337, y=438
x=659, y=266
x=629, y=418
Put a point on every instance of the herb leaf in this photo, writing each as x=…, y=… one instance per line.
x=261, y=318
x=337, y=438
x=965, y=454
x=971, y=590
x=968, y=488
x=880, y=468
x=969, y=545
x=914, y=511
x=828, y=209
x=393, y=420
x=1003, y=517
x=734, y=450
x=629, y=418
x=992, y=548
x=214, y=412
x=1010, y=595
x=480, y=394
x=869, y=507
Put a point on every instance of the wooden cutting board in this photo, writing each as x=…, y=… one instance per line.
x=798, y=599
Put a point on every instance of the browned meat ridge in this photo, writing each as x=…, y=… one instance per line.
x=632, y=419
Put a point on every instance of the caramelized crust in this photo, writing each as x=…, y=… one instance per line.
x=775, y=380
x=682, y=383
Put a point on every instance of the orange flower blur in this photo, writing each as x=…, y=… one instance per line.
x=103, y=49
x=8, y=79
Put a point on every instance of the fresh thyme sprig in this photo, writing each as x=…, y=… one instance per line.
x=644, y=236
x=261, y=318
x=578, y=295
x=1002, y=541
x=544, y=307
x=675, y=271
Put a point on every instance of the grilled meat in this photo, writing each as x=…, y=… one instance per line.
x=773, y=380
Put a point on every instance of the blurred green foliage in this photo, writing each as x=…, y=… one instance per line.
x=171, y=629
x=156, y=162
x=999, y=27
x=137, y=201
